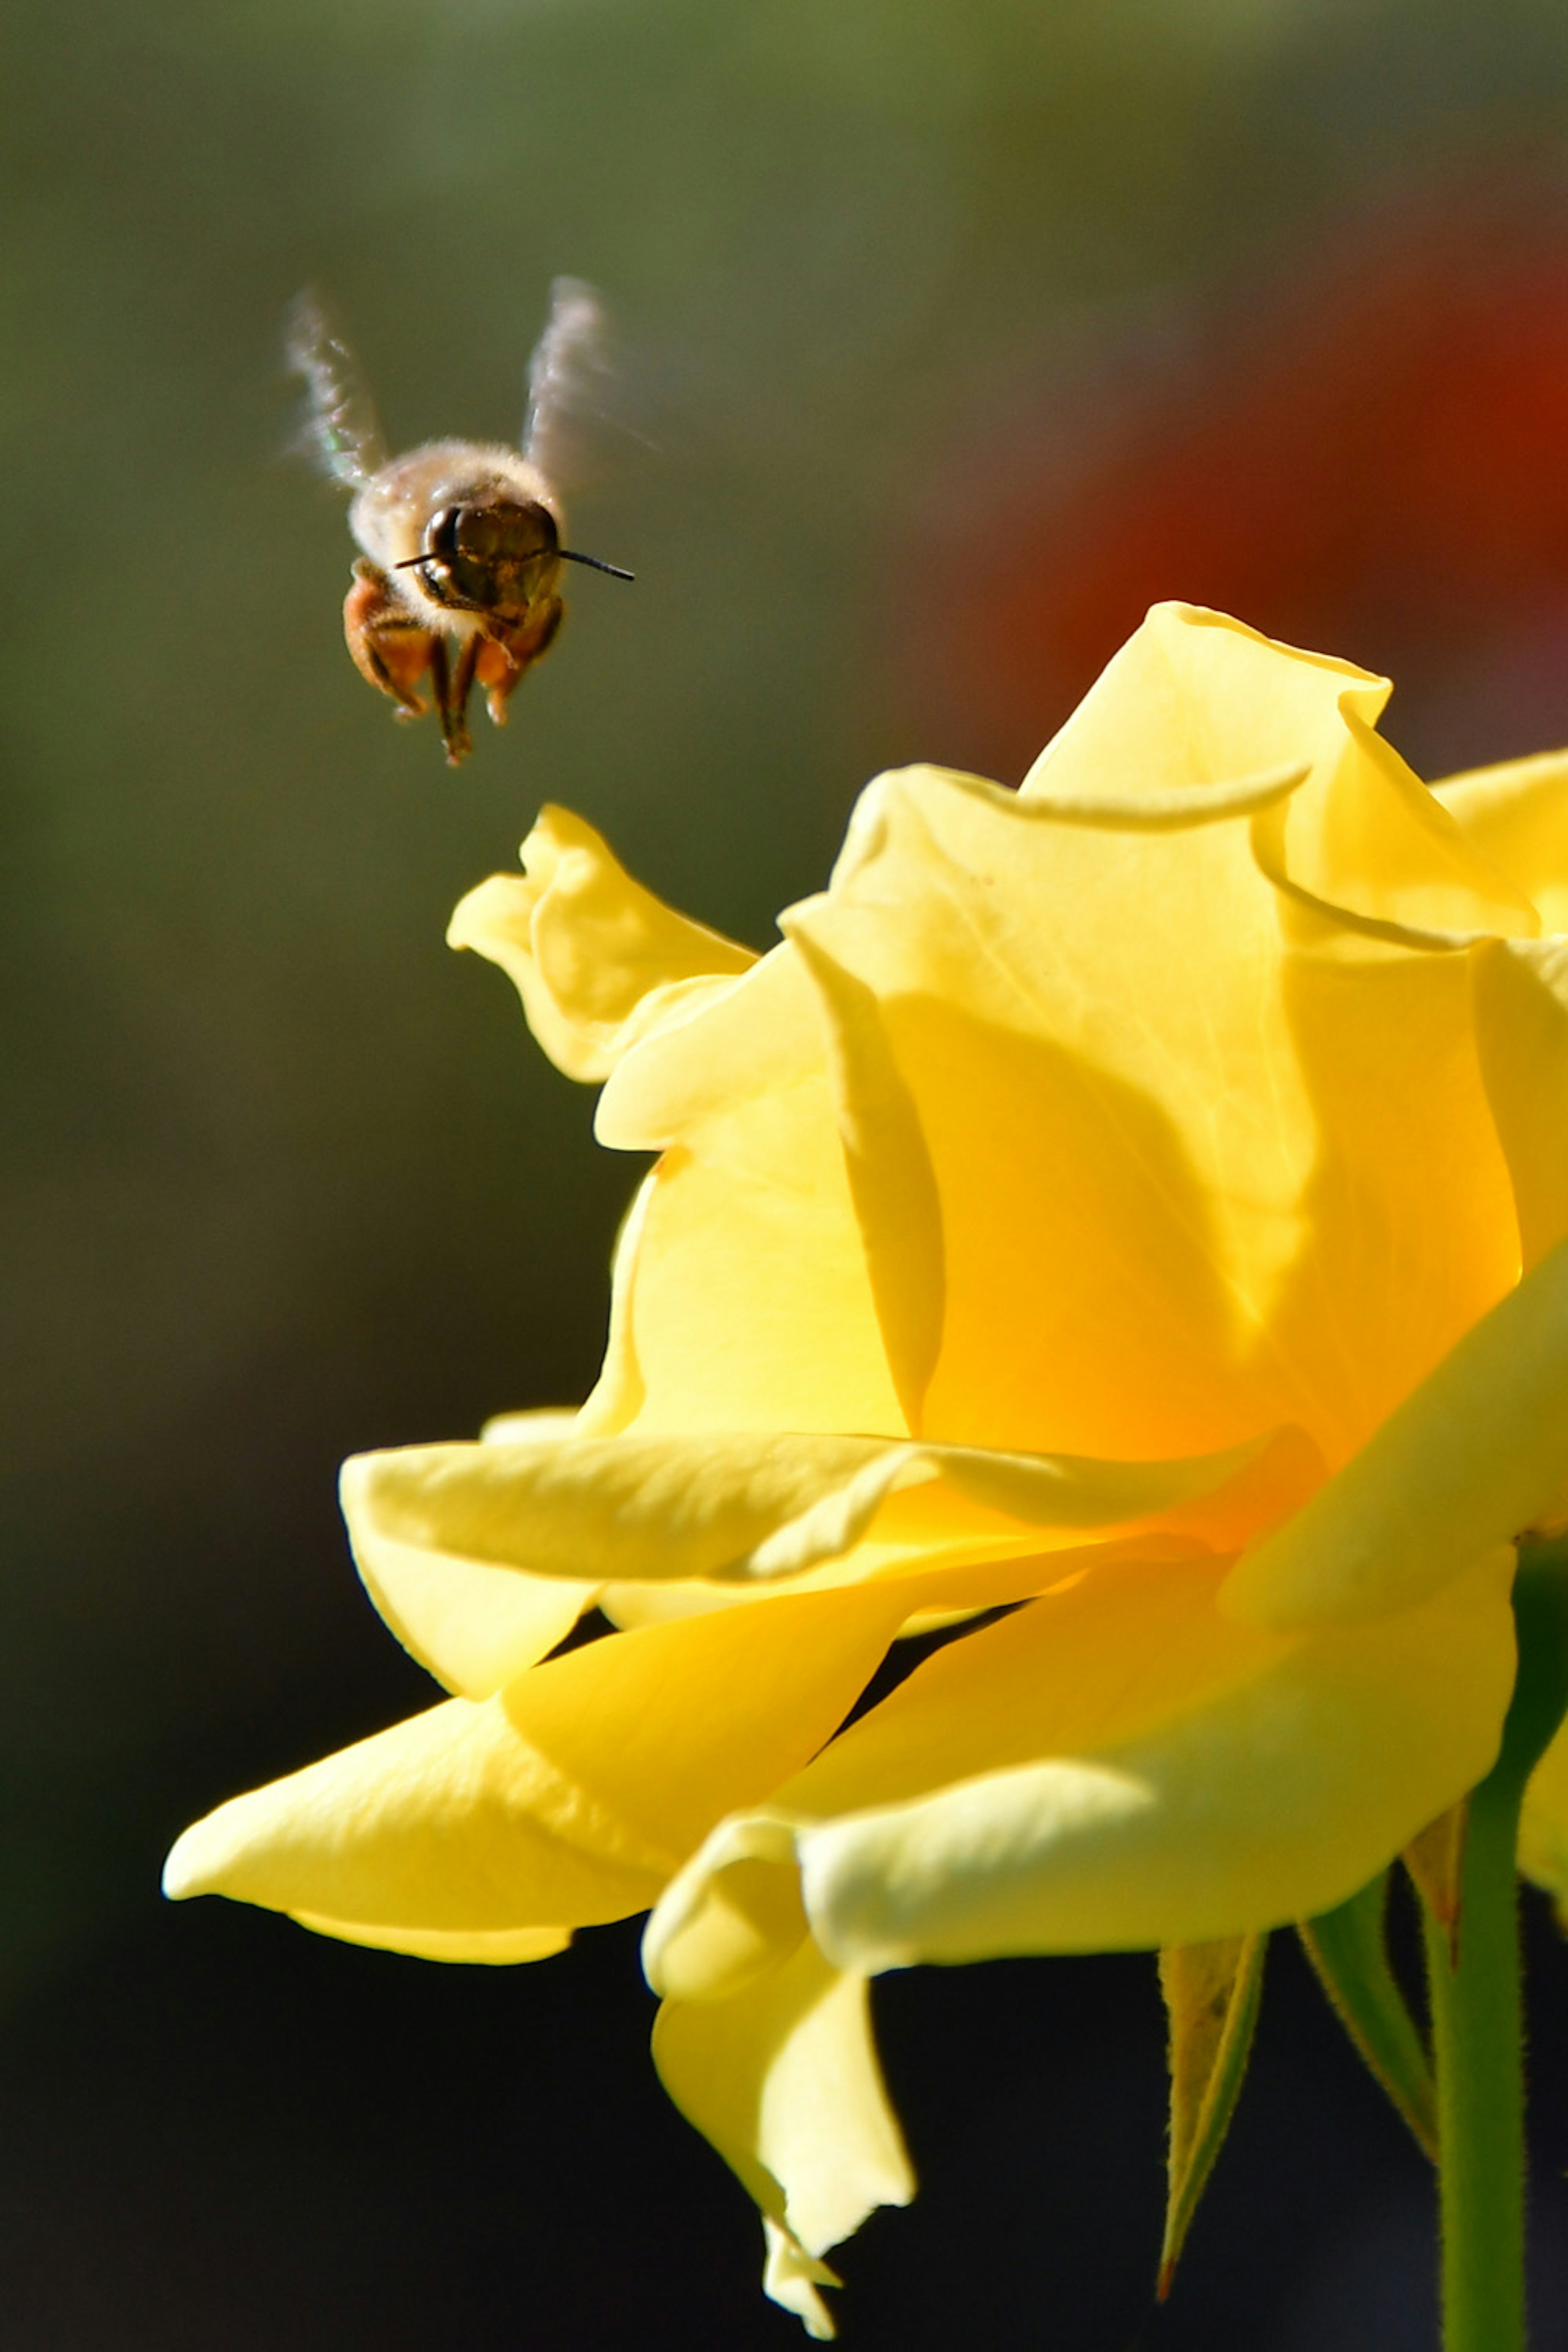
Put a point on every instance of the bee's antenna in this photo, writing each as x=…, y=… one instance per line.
x=568, y=555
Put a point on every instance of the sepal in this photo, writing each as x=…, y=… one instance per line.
x=1347, y=1948
x=1435, y=1861
x=1212, y=1992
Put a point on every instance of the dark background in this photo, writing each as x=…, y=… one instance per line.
x=964, y=328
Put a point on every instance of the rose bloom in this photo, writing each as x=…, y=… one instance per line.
x=1122, y=1223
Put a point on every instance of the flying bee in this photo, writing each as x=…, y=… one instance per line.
x=459, y=578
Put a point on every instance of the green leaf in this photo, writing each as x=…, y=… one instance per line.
x=1348, y=1949
x=1211, y=1994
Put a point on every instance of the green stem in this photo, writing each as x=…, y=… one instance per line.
x=1478, y=2047
x=1477, y=2013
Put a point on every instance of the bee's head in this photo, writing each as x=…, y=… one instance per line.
x=488, y=555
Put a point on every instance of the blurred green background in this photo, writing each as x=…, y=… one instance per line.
x=963, y=327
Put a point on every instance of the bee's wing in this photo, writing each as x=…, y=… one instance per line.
x=342, y=431
x=574, y=400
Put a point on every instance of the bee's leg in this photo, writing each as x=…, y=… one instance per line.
x=449, y=704
x=499, y=674
x=389, y=647
x=463, y=679
x=504, y=660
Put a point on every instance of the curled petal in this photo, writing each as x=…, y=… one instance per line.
x=1194, y=697
x=733, y=1915
x=791, y=2277
x=595, y=957
x=782, y=2079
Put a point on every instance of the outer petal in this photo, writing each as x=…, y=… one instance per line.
x=569, y=1797
x=451, y=1822
x=1192, y=1179
x=1116, y=1765
x=782, y=2079
x=749, y=1507
x=593, y=955
x=742, y=1300
x=1479, y=1454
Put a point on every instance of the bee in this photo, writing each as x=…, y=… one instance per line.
x=459, y=581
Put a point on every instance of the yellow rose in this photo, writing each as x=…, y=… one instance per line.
x=1107, y=1205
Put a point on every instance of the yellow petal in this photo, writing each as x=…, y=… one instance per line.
x=1472, y=1459
x=947, y=1578
x=732, y=1917
x=1308, y=919
x=569, y=1797
x=1271, y=1796
x=783, y=2080
x=471, y=1625
x=451, y=1822
x=505, y=1948
x=475, y=1627
x=1170, y=1213
x=1515, y=815
x=899, y=1213
x=1194, y=697
x=791, y=2277
x=740, y=1506
x=537, y=1426
x=742, y=1298
x=1106, y=1329
x=1116, y=1765
x=1407, y=1214
x=619, y=1394
x=1521, y=1035
x=593, y=955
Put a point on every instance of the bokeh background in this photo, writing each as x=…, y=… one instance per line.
x=963, y=327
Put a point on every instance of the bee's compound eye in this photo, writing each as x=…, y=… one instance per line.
x=441, y=533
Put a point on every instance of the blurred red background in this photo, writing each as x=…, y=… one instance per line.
x=1364, y=451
